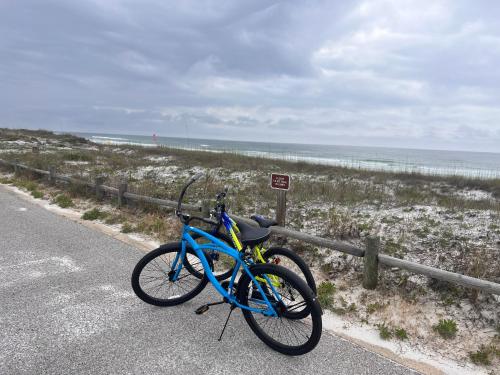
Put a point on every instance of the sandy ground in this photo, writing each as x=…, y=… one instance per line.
x=423, y=360
x=465, y=241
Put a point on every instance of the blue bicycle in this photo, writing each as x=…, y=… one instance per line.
x=270, y=296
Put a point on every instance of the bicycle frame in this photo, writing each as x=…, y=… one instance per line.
x=219, y=246
x=232, y=228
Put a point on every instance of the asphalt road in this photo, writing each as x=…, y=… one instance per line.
x=66, y=307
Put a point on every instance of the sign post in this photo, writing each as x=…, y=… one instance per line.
x=280, y=183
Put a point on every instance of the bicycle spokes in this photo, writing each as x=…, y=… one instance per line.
x=272, y=279
x=296, y=326
x=155, y=279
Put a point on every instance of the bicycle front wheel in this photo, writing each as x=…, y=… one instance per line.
x=285, y=333
x=152, y=278
x=223, y=263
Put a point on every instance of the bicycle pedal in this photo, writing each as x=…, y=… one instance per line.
x=202, y=309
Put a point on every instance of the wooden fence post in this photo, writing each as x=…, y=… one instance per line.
x=122, y=189
x=52, y=175
x=16, y=167
x=370, y=263
x=281, y=207
x=99, y=193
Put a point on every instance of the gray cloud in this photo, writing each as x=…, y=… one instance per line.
x=385, y=72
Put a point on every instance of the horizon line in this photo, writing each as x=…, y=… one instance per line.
x=286, y=143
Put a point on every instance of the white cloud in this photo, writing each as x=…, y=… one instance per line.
x=386, y=72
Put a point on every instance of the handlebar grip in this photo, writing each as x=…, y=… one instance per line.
x=197, y=176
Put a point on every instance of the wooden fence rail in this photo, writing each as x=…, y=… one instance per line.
x=436, y=273
x=371, y=255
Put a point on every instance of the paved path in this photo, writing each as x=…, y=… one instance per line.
x=66, y=307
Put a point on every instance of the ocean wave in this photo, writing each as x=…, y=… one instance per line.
x=110, y=138
x=114, y=141
x=365, y=163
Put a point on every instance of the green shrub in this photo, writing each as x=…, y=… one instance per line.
x=37, y=194
x=62, y=200
x=25, y=184
x=326, y=291
x=30, y=186
x=447, y=328
x=94, y=214
x=127, y=228
x=481, y=357
x=401, y=333
x=384, y=331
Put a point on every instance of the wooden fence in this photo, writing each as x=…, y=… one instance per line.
x=371, y=254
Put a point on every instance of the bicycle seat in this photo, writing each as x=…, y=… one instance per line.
x=263, y=222
x=251, y=236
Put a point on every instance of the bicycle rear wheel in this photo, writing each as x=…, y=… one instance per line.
x=285, y=334
x=152, y=276
x=290, y=260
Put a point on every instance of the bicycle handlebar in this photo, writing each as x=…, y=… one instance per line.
x=189, y=183
x=197, y=176
x=186, y=218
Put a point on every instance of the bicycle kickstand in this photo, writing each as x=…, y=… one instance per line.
x=227, y=320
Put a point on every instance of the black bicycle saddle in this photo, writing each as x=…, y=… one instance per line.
x=263, y=222
x=251, y=236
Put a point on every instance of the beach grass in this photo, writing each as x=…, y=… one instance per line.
x=450, y=222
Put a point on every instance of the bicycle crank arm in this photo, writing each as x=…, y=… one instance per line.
x=204, y=308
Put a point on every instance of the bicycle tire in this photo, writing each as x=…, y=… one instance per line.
x=160, y=274
x=294, y=258
x=272, y=337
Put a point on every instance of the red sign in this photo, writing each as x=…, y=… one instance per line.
x=280, y=181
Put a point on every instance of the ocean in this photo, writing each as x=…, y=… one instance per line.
x=432, y=162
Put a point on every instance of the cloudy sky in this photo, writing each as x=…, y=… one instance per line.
x=422, y=74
